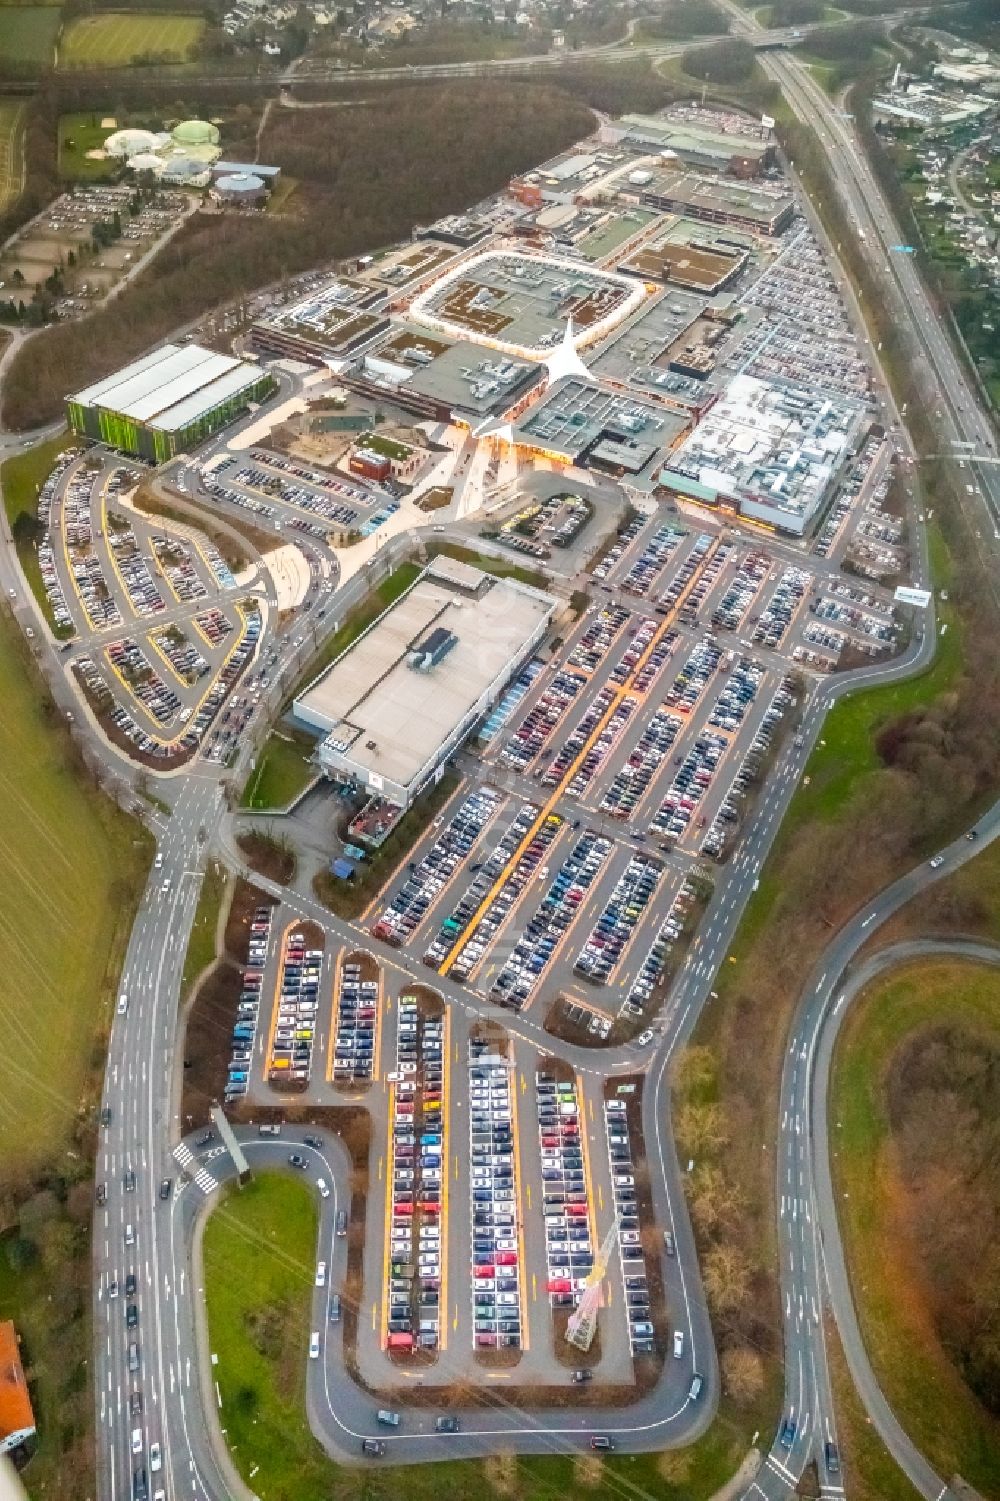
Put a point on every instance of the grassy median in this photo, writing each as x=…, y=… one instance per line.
x=260, y=1256
x=912, y=1241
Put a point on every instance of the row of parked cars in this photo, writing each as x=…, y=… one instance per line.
x=357, y=1019
x=414, y=1291
x=632, y=780
x=541, y=720
x=334, y=512
x=653, y=967
x=633, y=1260
x=185, y=659
x=741, y=591
x=652, y=560
x=738, y=693
x=618, y=549
x=545, y=929
x=134, y=668
x=776, y=616
x=177, y=564
x=594, y=644
x=133, y=569
x=728, y=816
x=289, y=1061
x=569, y=1251
x=248, y=1006
x=691, y=782
x=616, y=924
x=475, y=943
x=427, y=879
x=496, y=1282
x=690, y=682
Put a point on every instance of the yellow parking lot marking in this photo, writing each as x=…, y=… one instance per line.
x=374, y=1314
x=381, y=1161
x=618, y=693
x=534, y=1287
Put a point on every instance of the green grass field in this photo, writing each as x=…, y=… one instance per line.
x=923, y=1387
x=79, y=134
x=21, y=478
x=282, y=771
x=69, y=870
x=28, y=33
x=259, y=1262
x=11, y=157
x=117, y=38
x=201, y=944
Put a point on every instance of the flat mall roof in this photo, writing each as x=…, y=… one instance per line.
x=372, y=693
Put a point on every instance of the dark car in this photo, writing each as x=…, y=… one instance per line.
x=135, y=1404
x=130, y=1284
x=601, y=1441
x=832, y=1455
x=787, y=1434
x=584, y=1375
x=165, y=1188
x=207, y=1137
x=373, y=1446
x=314, y=1142
x=102, y=1193
x=295, y=1159
x=131, y=1315
x=446, y=1425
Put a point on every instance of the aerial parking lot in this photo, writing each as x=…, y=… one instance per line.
x=156, y=630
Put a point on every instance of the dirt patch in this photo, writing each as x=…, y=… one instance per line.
x=268, y=856
x=588, y=1471
x=435, y=499
x=500, y=1471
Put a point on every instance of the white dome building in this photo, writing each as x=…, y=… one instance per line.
x=146, y=161
x=131, y=142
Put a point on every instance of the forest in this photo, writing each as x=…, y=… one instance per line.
x=366, y=175
x=944, y=1106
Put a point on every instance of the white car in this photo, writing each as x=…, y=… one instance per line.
x=122, y=1004
x=314, y=1345
x=678, y=1343
x=136, y=1440
x=321, y=1274
x=155, y=1458
x=324, y=1191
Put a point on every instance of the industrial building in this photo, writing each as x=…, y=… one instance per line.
x=771, y=452
x=399, y=701
x=764, y=208
x=469, y=383
x=698, y=143
x=326, y=326
x=705, y=257
x=580, y=423
x=168, y=401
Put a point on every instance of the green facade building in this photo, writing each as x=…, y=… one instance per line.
x=169, y=401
